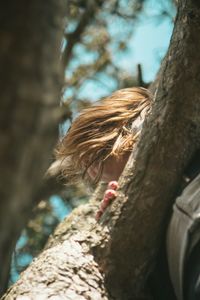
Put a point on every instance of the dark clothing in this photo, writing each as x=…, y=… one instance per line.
x=160, y=283
x=192, y=275
x=183, y=245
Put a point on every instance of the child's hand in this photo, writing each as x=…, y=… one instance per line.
x=109, y=195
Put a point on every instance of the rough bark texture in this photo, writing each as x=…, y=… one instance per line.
x=66, y=269
x=30, y=84
x=170, y=138
x=126, y=242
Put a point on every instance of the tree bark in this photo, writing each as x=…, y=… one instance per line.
x=127, y=240
x=170, y=137
x=30, y=84
x=66, y=269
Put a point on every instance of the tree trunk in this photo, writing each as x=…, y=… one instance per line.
x=126, y=242
x=30, y=84
x=170, y=138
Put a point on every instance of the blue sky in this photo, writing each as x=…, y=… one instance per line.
x=148, y=43
x=151, y=38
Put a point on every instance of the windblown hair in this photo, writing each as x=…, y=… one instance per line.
x=103, y=130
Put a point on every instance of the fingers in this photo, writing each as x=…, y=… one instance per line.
x=109, y=195
x=113, y=185
x=107, y=199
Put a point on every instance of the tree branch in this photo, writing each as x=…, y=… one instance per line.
x=74, y=37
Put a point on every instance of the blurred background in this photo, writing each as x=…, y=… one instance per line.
x=107, y=45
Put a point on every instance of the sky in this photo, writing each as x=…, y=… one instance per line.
x=147, y=46
x=149, y=43
x=150, y=39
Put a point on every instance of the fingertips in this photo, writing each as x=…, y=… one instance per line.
x=113, y=185
x=110, y=194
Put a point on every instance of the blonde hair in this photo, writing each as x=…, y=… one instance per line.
x=100, y=131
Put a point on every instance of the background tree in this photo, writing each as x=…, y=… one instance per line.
x=30, y=83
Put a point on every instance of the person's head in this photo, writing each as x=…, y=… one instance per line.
x=100, y=139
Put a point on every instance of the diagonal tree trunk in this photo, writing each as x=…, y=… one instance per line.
x=169, y=140
x=112, y=260
x=30, y=84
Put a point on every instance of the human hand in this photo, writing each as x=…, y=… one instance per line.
x=109, y=195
